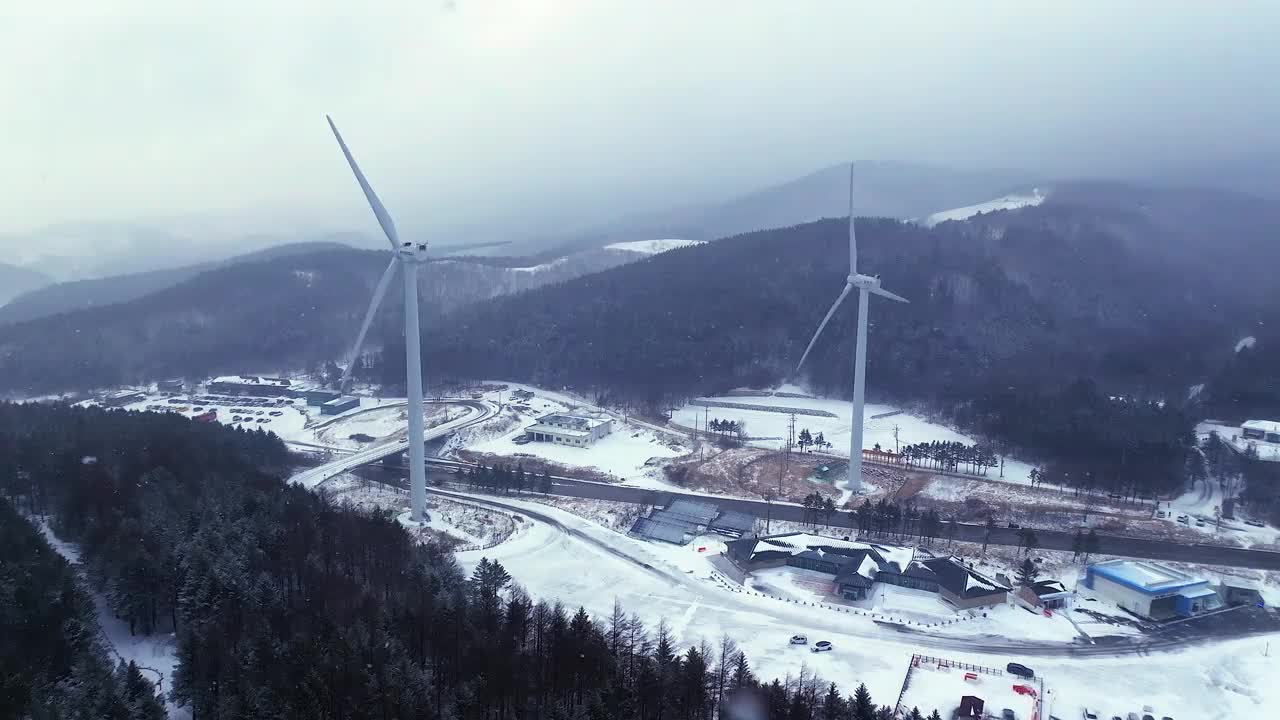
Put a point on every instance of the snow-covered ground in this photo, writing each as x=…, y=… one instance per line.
x=1008, y=202
x=1232, y=679
x=880, y=421
x=1269, y=452
x=652, y=247
x=156, y=655
x=622, y=454
x=938, y=686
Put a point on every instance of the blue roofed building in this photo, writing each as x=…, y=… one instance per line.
x=1151, y=590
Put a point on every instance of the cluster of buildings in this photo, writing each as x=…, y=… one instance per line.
x=858, y=567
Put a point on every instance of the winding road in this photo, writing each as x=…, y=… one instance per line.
x=1235, y=623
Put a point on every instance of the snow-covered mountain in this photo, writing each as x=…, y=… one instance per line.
x=1006, y=202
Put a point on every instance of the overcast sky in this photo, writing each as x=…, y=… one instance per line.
x=464, y=111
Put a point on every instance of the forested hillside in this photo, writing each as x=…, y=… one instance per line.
x=286, y=606
x=279, y=314
x=52, y=663
x=1028, y=306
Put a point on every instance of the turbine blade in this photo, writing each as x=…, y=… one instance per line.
x=450, y=249
x=886, y=294
x=853, y=238
x=378, y=293
x=384, y=218
x=843, y=294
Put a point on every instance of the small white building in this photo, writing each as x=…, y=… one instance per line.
x=1261, y=431
x=575, y=430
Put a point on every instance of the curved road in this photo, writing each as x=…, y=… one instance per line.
x=1048, y=539
x=1108, y=646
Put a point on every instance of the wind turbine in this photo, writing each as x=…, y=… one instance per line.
x=866, y=285
x=408, y=256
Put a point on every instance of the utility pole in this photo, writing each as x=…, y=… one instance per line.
x=895, y=440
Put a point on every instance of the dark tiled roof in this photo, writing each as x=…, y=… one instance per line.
x=954, y=577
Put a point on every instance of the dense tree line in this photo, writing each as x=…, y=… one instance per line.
x=285, y=605
x=52, y=663
x=1089, y=440
x=277, y=313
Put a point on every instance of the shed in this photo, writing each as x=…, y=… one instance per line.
x=971, y=706
x=340, y=405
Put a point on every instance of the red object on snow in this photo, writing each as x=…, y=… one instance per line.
x=1024, y=690
x=702, y=549
x=971, y=676
x=1048, y=612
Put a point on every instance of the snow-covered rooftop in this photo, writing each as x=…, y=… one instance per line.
x=1266, y=426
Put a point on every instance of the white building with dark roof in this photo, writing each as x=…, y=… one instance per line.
x=573, y=430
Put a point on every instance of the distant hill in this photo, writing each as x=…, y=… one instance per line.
x=1135, y=288
x=15, y=280
x=54, y=298
x=282, y=310
x=883, y=189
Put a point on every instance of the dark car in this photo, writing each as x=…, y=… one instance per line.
x=1020, y=670
x=1014, y=526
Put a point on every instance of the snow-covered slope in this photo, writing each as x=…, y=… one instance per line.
x=652, y=247
x=1008, y=202
x=1246, y=342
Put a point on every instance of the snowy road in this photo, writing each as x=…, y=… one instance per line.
x=563, y=557
x=654, y=561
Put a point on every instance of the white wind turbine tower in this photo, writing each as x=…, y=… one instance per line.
x=867, y=285
x=408, y=256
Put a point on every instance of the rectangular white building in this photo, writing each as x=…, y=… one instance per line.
x=1261, y=431
x=575, y=430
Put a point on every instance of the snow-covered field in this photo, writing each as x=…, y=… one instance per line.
x=1008, y=202
x=879, y=425
x=622, y=454
x=1231, y=679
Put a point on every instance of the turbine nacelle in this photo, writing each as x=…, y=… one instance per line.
x=412, y=252
x=864, y=282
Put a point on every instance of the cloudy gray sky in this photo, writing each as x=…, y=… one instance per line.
x=462, y=112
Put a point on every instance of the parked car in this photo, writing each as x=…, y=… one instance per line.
x=1007, y=714
x=821, y=646
x=235, y=418
x=276, y=413
x=1254, y=523
x=1014, y=526
x=1184, y=520
x=1162, y=514
x=1199, y=523
x=1020, y=670
x=799, y=640
x=1090, y=714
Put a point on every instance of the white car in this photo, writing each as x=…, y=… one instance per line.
x=821, y=646
x=799, y=640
